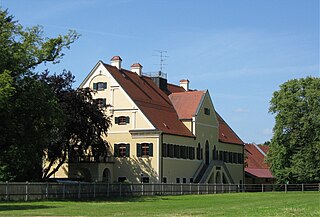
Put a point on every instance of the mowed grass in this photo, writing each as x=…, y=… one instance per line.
x=241, y=204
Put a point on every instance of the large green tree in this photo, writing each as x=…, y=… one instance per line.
x=294, y=153
x=41, y=116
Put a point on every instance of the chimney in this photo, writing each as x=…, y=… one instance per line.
x=137, y=68
x=185, y=84
x=116, y=61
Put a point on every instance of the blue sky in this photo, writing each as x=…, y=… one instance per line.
x=240, y=50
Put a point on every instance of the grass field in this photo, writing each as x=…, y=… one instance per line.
x=241, y=204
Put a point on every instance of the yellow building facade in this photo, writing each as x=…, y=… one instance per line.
x=160, y=133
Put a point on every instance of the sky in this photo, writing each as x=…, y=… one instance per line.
x=240, y=50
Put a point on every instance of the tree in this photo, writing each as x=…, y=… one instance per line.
x=294, y=153
x=30, y=115
x=85, y=124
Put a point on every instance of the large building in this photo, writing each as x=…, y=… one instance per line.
x=160, y=132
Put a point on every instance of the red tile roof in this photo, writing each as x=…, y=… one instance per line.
x=175, y=88
x=186, y=103
x=260, y=173
x=226, y=134
x=116, y=58
x=136, y=65
x=153, y=102
x=255, y=160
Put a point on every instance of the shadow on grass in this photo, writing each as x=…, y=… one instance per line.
x=11, y=207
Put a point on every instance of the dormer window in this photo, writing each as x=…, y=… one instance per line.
x=122, y=120
x=100, y=86
x=206, y=111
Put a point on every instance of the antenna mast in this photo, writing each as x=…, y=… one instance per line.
x=162, y=58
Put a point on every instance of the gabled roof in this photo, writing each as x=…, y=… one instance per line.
x=226, y=134
x=152, y=101
x=175, y=88
x=255, y=160
x=186, y=103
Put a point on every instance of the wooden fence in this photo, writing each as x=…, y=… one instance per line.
x=80, y=190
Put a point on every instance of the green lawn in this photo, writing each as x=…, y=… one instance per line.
x=241, y=204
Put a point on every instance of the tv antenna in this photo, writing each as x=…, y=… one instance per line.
x=162, y=58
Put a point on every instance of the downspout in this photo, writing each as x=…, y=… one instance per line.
x=161, y=157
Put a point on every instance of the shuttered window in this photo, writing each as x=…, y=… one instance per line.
x=100, y=86
x=122, y=150
x=122, y=120
x=144, y=149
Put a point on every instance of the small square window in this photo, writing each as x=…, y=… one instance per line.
x=206, y=111
x=184, y=180
x=178, y=180
x=191, y=180
x=145, y=179
x=164, y=179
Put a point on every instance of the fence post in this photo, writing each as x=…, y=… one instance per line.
x=7, y=191
x=153, y=188
x=285, y=188
x=108, y=189
x=207, y=188
x=27, y=183
x=120, y=188
x=171, y=188
x=198, y=188
x=261, y=187
x=222, y=188
x=302, y=188
x=238, y=190
x=229, y=186
x=64, y=191
x=215, y=188
x=319, y=187
x=190, y=188
x=94, y=190
x=79, y=190
x=142, y=190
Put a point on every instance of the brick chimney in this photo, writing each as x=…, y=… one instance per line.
x=116, y=61
x=137, y=68
x=185, y=84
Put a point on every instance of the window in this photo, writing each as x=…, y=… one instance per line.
x=170, y=150
x=144, y=149
x=176, y=151
x=122, y=150
x=122, y=120
x=177, y=180
x=191, y=180
x=164, y=179
x=100, y=86
x=122, y=179
x=102, y=102
x=164, y=150
x=206, y=111
x=145, y=179
x=184, y=180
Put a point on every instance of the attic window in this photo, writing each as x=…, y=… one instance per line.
x=122, y=120
x=206, y=111
x=102, y=102
x=100, y=86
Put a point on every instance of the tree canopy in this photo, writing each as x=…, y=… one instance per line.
x=41, y=115
x=294, y=153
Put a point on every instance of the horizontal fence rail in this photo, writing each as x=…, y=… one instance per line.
x=81, y=190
